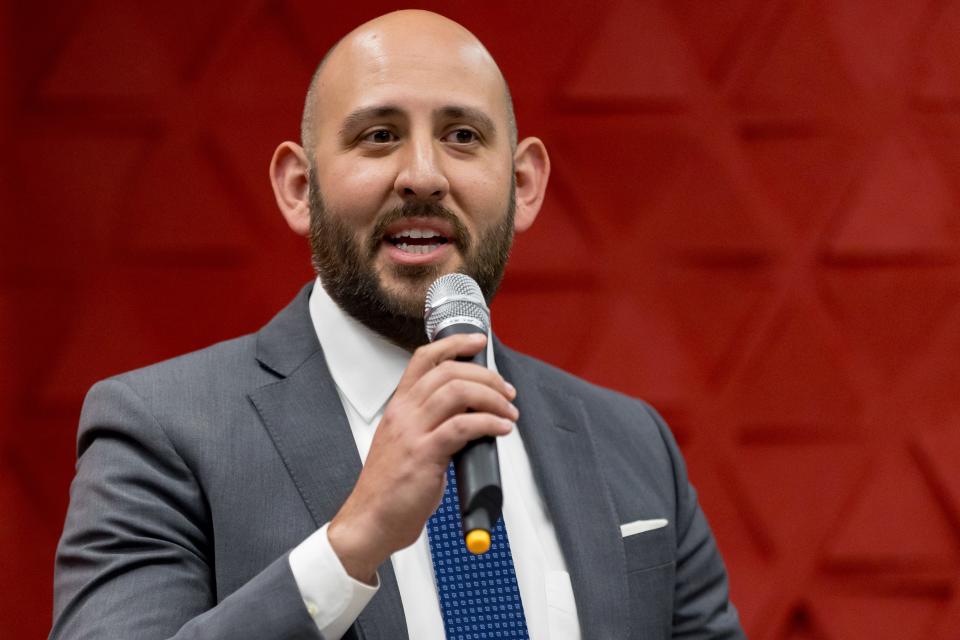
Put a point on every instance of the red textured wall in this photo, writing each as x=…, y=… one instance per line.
x=753, y=223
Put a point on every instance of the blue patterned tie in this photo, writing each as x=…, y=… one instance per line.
x=479, y=597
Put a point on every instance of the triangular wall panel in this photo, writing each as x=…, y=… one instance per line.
x=113, y=54
x=714, y=30
x=890, y=316
x=797, y=70
x=902, y=206
x=879, y=616
x=708, y=212
x=939, y=451
x=637, y=60
x=877, y=46
x=801, y=491
x=895, y=523
x=637, y=351
x=714, y=323
x=798, y=376
x=218, y=225
x=939, y=82
x=804, y=176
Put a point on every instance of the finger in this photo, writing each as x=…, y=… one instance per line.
x=454, y=433
x=452, y=370
x=458, y=396
x=429, y=356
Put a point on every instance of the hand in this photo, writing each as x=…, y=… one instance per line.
x=423, y=425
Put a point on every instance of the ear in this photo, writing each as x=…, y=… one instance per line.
x=288, y=175
x=531, y=171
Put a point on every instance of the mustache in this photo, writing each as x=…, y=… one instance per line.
x=461, y=236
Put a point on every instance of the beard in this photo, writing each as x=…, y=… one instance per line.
x=346, y=265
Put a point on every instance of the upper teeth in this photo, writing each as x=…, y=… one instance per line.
x=415, y=233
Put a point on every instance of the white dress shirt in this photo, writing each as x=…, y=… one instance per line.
x=366, y=369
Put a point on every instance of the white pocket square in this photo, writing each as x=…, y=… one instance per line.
x=639, y=526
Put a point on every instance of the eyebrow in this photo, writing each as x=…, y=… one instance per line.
x=363, y=115
x=477, y=117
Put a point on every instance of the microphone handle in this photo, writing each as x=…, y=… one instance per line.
x=477, y=467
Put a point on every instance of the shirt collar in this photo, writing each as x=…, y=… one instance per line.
x=365, y=366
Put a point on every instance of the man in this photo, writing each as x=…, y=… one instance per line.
x=279, y=485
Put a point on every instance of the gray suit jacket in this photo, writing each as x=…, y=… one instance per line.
x=196, y=476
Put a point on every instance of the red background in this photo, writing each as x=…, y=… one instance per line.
x=753, y=223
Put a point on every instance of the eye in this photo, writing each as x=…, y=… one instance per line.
x=462, y=136
x=380, y=136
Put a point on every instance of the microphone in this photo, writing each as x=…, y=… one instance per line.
x=456, y=305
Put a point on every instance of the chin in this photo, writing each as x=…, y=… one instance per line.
x=407, y=291
x=408, y=277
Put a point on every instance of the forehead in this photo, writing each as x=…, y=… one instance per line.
x=413, y=72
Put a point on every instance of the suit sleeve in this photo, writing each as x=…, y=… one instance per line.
x=136, y=556
x=702, y=607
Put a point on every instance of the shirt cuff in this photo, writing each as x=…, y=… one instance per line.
x=333, y=598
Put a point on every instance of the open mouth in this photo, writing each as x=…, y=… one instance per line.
x=421, y=240
x=417, y=241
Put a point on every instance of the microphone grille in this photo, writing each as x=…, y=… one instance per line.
x=454, y=299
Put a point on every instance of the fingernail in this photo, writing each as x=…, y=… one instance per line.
x=512, y=389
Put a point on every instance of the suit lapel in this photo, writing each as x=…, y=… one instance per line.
x=304, y=417
x=556, y=434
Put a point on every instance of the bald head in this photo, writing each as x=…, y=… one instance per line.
x=411, y=37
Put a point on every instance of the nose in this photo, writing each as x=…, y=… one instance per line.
x=421, y=175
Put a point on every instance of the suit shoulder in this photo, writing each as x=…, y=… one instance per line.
x=223, y=368
x=205, y=364
x=185, y=396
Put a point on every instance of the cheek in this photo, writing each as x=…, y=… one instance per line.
x=486, y=194
x=358, y=190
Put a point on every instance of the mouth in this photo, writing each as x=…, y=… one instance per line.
x=419, y=240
